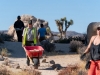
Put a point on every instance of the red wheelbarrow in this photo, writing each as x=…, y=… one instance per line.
x=34, y=51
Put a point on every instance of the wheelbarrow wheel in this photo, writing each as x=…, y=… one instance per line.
x=36, y=63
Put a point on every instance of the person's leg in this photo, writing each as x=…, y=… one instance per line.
x=19, y=36
x=27, y=58
x=92, y=70
x=41, y=39
x=98, y=68
x=27, y=61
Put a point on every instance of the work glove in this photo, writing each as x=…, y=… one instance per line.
x=83, y=56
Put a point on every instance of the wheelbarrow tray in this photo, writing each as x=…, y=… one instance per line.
x=34, y=51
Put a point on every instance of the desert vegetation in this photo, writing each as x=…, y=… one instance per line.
x=5, y=71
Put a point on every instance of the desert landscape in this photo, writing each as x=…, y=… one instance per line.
x=62, y=58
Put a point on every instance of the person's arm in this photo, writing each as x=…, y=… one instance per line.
x=22, y=25
x=88, y=47
x=23, y=36
x=37, y=36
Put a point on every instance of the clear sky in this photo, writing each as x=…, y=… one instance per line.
x=82, y=12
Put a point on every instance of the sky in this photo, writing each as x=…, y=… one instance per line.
x=82, y=12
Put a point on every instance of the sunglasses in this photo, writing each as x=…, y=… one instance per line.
x=98, y=28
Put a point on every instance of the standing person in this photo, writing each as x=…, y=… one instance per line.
x=42, y=32
x=94, y=48
x=19, y=26
x=30, y=38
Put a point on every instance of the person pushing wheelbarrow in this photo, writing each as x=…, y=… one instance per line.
x=30, y=38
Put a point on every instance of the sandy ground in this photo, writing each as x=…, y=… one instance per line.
x=64, y=59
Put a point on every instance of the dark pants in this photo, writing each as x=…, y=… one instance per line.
x=35, y=60
x=41, y=39
x=19, y=35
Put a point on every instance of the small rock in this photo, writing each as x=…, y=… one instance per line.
x=1, y=59
x=17, y=66
x=44, y=56
x=52, y=62
x=44, y=61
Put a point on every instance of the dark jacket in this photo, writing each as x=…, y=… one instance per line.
x=18, y=24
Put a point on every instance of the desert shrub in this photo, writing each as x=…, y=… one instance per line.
x=62, y=41
x=74, y=45
x=28, y=73
x=81, y=51
x=5, y=37
x=82, y=72
x=1, y=40
x=73, y=70
x=4, y=52
x=4, y=71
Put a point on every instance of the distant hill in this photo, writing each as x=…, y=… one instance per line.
x=70, y=33
x=3, y=31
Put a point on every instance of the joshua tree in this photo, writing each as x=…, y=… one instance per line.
x=60, y=24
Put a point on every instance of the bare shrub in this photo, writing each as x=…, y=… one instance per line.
x=73, y=70
x=1, y=40
x=5, y=37
x=81, y=51
x=4, y=71
x=28, y=73
x=4, y=52
x=82, y=72
x=69, y=70
x=74, y=45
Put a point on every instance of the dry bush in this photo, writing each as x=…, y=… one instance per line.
x=82, y=72
x=28, y=73
x=74, y=45
x=4, y=52
x=1, y=40
x=4, y=71
x=81, y=51
x=5, y=37
x=69, y=70
x=73, y=70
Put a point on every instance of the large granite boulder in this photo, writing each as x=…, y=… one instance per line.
x=91, y=30
x=36, y=23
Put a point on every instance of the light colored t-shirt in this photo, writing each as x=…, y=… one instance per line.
x=29, y=34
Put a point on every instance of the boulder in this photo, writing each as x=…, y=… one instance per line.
x=91, y=30
x=36, y=23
